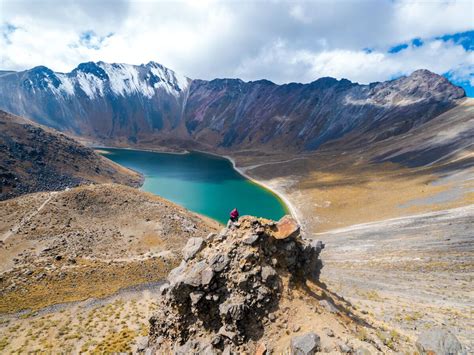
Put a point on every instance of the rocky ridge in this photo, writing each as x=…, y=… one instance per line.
x=149, y=106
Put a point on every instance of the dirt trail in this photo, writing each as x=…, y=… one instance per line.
x=27, y=218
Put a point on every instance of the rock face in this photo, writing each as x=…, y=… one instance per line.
x=221, y=296
x=127, y=104
x=35, y=158
x=439, y=341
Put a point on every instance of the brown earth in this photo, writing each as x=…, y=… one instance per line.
x=89, y=241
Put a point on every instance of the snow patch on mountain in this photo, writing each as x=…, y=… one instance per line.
x=91, y=85
x=99, y=79
x=171, y=82
x=66, y=86
x=125, y=80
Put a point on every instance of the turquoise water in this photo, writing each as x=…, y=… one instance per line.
x=203, y=183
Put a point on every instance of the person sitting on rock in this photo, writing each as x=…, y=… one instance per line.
x=234, y=215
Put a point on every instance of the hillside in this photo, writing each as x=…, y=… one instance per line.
x=113, y=232
x=152, y=106
x=35, y=158
x=77, y=266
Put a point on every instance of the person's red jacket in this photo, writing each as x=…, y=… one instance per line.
x=234, y=214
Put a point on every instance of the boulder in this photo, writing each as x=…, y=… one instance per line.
x=286, y=227
x=306, y=344
x=193, y=246
x=439, y=341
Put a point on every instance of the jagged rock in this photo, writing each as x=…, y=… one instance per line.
x=219, y=262
x=194, y=347
x=286, y=227
x=250, y=239
x=227, y=333
x=307, y=344
x=439, y=341
x=210, y=237
x=268, y=274
x=233, y=288
x=195, y=297
x=200, y=274
x=193, y=246
x=232, y=311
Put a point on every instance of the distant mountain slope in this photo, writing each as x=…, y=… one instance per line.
x=150, y=104
x=35, y=158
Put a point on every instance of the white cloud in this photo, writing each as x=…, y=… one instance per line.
x=277, y=40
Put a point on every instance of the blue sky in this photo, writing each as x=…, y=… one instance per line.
x=464, y=39
x=282, y=41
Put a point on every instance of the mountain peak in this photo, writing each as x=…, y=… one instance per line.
x=424, y=73
x=92, y=68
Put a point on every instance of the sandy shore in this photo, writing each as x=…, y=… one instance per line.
x=278, y=192
x=273, y=189
x=101, y=150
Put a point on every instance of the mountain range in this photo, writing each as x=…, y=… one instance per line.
x=148, y=104
x=381, y=173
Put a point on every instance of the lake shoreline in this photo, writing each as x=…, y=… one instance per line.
x=286, y=205
x=281, y=195
x=101, y=147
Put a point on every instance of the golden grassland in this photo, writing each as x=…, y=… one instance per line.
x=370, y=193
x=88, y=279
x=106, y=328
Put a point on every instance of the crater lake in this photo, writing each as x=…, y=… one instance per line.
x=203, y=183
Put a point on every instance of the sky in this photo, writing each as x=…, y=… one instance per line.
x=282, y=41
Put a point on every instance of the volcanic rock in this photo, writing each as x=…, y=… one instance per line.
x=306, y=344
x=285, y=228
x=193, y=246
x=225, y=293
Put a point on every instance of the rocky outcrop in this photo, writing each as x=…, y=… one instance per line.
x=150, y=104
x=439, y=341
x=35, y=158
x=219, y=297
